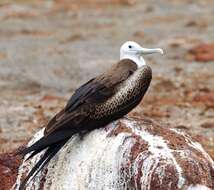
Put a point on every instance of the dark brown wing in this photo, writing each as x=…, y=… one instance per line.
x=61, y=127
x=94, y=91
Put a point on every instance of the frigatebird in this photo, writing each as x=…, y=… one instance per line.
x=96, y=103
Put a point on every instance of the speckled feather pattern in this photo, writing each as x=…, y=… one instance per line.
x=93, y=105
x=135, y=86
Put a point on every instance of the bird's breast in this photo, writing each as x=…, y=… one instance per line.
x=134, y=87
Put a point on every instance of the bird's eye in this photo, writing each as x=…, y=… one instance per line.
x=130, y=46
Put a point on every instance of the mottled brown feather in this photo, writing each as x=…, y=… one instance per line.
x=84, y=100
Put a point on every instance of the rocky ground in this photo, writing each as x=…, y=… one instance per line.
x=48, y=48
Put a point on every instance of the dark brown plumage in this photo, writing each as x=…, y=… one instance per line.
x=95, y=104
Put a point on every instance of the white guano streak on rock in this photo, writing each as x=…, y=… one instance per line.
x=195, y=145
x=152, y=160
x=198, y=187
x=94, y=162
x=27, y=165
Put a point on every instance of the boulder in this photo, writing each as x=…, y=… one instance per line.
x=130, y=153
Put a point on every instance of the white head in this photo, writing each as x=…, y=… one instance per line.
x=132, y=50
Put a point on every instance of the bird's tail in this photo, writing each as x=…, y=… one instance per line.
x=52, y=143
x=50, y=153
x=46, y=141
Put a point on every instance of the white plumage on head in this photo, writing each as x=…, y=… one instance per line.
x=132, y=50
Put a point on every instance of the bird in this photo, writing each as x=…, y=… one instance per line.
x=95, y=104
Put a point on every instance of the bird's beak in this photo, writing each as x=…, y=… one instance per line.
x=144, y=51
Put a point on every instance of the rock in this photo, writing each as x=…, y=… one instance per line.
x=8, y=170
x=197, y=23
x=207, y=125
x=205, y=98
x=203, y=52
x=74, y=5
x=3, y=55
x=130, y=153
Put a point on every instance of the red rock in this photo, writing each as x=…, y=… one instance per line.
x=208, y=125
x=13, y=14
x=130, y=153
x=8, y=170
x=67, y=5
x=204, y=57
x=50, y=98
x=157, y=113
x=203, y=52
x=204, y=98
x=165, y=85
x=3, y=55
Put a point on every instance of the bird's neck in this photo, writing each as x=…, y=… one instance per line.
x=137, y=59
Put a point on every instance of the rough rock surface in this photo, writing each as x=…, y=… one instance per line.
x=8, y=170
x=44, y=47
x=130, y=153
x=203, y=52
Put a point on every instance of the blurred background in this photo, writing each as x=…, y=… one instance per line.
x=50, y=47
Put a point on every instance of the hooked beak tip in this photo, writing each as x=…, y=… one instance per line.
x=161, y=51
